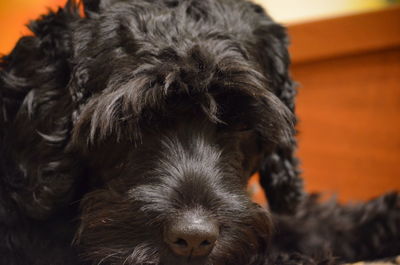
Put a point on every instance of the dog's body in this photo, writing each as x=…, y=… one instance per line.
x=132, y=132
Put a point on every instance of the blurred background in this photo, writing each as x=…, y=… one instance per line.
x=294, y=11
x=346, y=58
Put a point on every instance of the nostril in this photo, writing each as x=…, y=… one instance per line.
x=181, y=242
x=205, y=243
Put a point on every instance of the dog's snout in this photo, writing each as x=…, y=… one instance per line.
x=192, y=235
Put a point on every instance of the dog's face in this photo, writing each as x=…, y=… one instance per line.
x=178, y=197
x=170, y=145
x=169, y=109
x=169, y=185
x=171, y=128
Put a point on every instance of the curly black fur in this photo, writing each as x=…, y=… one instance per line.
x=116, y=123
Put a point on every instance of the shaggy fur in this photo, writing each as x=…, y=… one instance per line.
x=117, y=123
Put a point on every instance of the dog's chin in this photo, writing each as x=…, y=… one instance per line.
x=177, y=260
x=224, y=258
x=209, y=260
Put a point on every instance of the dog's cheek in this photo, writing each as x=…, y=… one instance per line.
x=113, y=226
x=102, y=212
x=245, y=235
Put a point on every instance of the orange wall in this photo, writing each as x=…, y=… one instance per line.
x=349, y=102
x=349, y=140
x=17, y=13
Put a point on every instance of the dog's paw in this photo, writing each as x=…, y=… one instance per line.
x=379, y=230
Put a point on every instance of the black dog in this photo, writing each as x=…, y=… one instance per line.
x=132, y=132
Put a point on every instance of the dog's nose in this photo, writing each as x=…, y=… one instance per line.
x=192, y=235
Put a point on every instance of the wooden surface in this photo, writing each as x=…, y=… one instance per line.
x=349, y=106
x=345, y=35
x=390, y=261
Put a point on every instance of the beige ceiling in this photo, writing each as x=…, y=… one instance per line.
x=289, y=11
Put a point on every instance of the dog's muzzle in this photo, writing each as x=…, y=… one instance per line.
x=191, y=235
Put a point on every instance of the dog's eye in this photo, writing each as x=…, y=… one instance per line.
x=242, y=127
x=237, y=127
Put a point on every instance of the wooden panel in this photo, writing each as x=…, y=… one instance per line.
x=349, y=112
x=345, y=35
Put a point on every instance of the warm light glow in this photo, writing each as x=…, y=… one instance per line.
x=289, y=11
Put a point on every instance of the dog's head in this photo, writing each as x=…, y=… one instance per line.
x=170, y=108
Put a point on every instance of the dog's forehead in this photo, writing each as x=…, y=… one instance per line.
x=138, y=28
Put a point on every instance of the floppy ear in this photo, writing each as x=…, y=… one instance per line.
x=279, y=172
x=35, y=119
x=91, y=6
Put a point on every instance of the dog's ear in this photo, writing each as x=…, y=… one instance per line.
x=279, y=172
x=35, y=119
x=91, y=6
